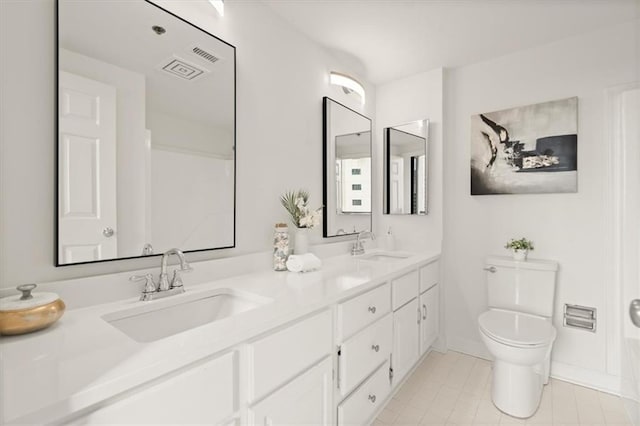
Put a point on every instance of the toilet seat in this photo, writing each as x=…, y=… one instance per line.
x=517, y=329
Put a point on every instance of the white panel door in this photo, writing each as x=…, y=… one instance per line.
x=429, y=323
x=630, y=129
x=406, y=332
x=304, y=401
x=397, y=188
x=87, y=170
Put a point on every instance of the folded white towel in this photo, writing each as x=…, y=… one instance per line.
x=303, y=262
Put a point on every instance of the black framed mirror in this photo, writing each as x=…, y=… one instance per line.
x=406, y=169
x=346, y=170
x=146, y=116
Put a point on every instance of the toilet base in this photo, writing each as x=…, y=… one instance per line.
x=517, y=389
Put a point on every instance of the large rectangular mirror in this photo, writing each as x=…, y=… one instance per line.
x=406, y=168
x=347, y=170
x=146, y=133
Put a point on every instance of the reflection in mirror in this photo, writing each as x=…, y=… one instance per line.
x=146, y=133
x=347, y=170
x=406, y=168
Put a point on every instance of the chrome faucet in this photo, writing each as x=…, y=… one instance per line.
x=164, y=288
x=357, y=247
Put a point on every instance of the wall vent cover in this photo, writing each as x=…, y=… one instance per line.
x=206, y=55
x=180, y=68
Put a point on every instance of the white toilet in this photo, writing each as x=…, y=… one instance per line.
x=518, y=331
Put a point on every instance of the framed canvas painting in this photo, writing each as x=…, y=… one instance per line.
x=526, y=150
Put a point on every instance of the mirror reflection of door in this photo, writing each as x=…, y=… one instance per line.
x=347, y=170
x=405, y=169
x=87, y=184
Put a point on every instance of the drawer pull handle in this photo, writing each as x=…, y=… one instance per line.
x=372, y=309
x=424, y=309
x=372, y=398
x=375, y=348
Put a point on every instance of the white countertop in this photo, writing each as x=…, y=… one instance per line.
x=82, y=360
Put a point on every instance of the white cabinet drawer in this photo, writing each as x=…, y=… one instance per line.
x=355, y=314
x=360, y=406
x=429, y=276
x=404, y=288
x=280, y=356
x=360, y=355
x=306, y=400
x=203, y=394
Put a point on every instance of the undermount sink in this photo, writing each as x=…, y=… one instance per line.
x=385, y=256
x=164, y=318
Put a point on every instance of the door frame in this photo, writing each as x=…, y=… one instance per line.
x=616, y=198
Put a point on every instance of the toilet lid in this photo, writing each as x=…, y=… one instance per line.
x=517, y=329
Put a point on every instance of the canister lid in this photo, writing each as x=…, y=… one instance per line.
x=27, y=300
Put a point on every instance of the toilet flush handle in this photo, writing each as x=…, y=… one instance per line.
x=491, y=269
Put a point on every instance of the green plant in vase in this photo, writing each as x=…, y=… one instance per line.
x=520, y=248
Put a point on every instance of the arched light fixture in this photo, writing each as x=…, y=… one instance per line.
x=348, y=83
x=218, y=6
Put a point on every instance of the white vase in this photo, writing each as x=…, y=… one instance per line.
x=520, y=255
x=301, y=241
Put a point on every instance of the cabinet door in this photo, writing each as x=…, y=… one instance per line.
x=204, y=394
x=304, y=401
x=429, y=324
x=406, y=331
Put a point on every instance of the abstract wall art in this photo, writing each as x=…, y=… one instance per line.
x=526, y=150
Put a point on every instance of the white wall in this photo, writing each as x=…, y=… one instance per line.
x=281, y=79
x=569, y=228
x=178, y=133
x=399, y=102
x=191, y=200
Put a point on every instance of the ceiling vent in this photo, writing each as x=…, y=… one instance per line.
x=180, y=68
x=204, y=54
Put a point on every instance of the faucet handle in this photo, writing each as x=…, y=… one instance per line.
x=176, y=281
x=149, y=285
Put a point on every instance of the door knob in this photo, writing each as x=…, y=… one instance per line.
x=634, y=312
x=108, y=232
x=372, y=309
x=372, y=398
x=375, y=348
x=491, y=269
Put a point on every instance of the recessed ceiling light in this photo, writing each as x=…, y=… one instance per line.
x=158, y=29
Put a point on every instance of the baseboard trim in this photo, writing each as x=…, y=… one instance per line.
x=584, y=377
x=469, y=347
x=569, y=373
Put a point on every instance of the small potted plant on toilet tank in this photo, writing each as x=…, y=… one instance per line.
x=520, y=248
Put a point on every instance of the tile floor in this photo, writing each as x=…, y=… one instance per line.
x=455, y=389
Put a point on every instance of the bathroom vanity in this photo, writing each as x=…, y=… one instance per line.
x=326, y=347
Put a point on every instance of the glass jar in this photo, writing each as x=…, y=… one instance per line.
x=280, y=247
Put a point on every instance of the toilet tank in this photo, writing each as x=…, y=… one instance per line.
x=521, y=286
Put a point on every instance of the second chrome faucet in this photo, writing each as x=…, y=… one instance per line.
x=164, y=287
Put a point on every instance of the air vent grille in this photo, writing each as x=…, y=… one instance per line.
x=204, y=54
x=182, y=69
